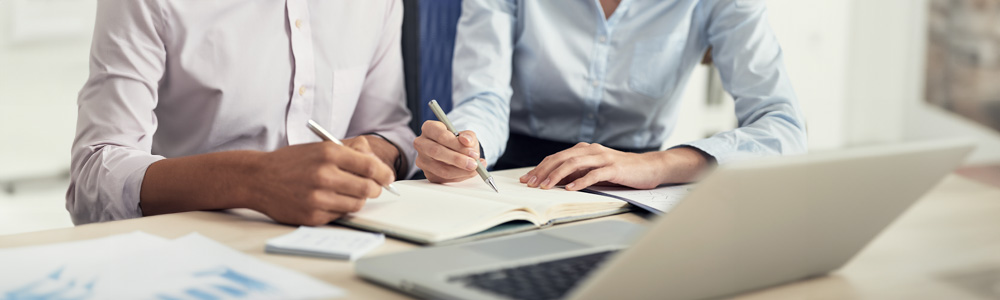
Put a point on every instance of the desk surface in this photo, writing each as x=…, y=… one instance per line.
x=945, y=247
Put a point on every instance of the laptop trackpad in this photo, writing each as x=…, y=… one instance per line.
x=526, y=246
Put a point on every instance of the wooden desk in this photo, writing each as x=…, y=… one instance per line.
x=948, y=240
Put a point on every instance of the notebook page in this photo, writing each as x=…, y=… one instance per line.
x=550, y=203
x=432, y=214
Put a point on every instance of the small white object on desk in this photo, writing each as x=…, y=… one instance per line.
x=326, y=243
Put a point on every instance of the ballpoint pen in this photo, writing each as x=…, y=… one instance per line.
x=480, y=168
x=326, y=136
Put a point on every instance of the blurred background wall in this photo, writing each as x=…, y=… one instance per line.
x=44, y=47
x=43, y=63
x=858, y=67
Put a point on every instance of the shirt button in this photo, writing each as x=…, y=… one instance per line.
x=302, y=90
x=595, y=82
x=602, y=39
x=298, y=23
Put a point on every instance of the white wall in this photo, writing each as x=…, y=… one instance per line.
x=44, y=47
x=880, y=73
x=814, y=38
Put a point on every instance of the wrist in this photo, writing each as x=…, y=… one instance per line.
x=681, y=165
x=250, y=181
x=387, y=152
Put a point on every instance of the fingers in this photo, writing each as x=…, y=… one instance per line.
x=357, y=163
x=437, y=132
x=439, y=172
x=445, y=157
x=469, y=140
x=331, y=201
x=348, y=184
x=430, y=149
x=573, y=165
x=591, y=178
x=541, y=172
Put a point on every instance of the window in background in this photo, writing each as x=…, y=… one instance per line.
x=963, y=59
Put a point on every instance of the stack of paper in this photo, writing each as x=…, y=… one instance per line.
x=325, y=242
x=143, y=266
x=659, y=200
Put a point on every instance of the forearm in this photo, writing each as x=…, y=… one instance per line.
x=751, y=64
x=210, y=181
x=679, y=165
x=481, y=72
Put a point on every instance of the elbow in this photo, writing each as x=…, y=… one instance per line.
x=98, y=185
x=83, y=194
x=799, y=141
x=80, y=201
x=76, y=212
x=796, y=141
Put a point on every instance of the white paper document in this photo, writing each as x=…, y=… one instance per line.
x=326, y=242
x=142, y=266
x=659, y=200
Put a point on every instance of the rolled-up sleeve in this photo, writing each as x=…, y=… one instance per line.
x=750, y=62
x=481, y=72
x=115, y=124
x=382, y=108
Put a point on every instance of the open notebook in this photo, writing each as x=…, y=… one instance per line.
x=430, y=213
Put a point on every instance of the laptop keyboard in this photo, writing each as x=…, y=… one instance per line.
x=542, y=281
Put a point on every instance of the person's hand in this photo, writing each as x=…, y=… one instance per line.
x=359, y=143
x=586, y=164
x=445, y=157
x=377, y=146
x=314, y=184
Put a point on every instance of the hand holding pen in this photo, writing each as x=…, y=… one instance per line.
x=447, y=155
x=326, y=136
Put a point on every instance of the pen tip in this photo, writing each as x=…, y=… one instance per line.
x=392, y=189
x=493, y=185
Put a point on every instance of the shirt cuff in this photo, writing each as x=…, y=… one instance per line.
x=131, y=205
x=719, y=150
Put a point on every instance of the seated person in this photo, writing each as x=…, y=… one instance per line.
x=588, y=91
x=203, y=105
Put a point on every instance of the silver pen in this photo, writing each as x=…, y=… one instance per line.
x=326, y=136
x=480, y=168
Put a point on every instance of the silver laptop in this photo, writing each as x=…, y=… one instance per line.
x=745, y=227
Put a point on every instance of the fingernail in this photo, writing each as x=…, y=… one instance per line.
x=523, y=177
x=465, y=140
x=532, y=180
x=470, y=164
x=473, y=153
x=545, y=183
x=570, y=186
